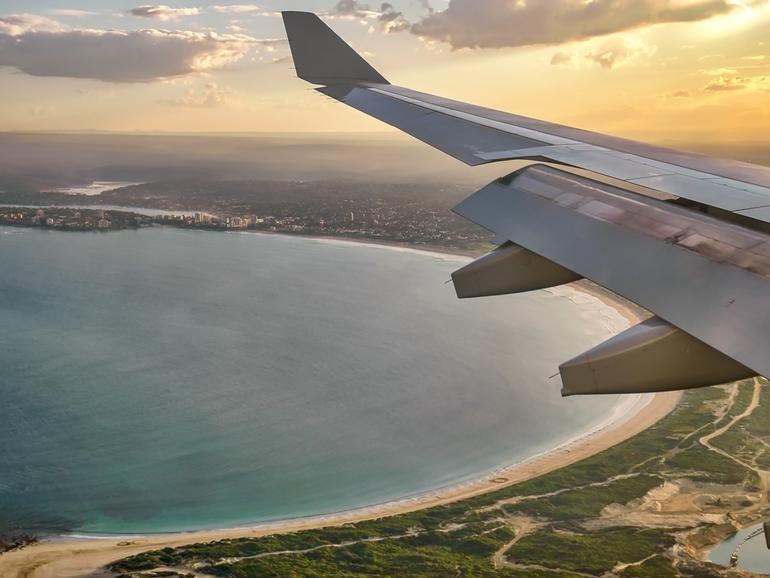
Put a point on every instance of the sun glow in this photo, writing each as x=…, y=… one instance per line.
x=745, y=14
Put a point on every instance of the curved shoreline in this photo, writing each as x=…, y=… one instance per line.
x=78, y=556
x=72, y=557
x=624, y=412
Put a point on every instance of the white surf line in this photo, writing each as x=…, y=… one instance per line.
x=386, y=245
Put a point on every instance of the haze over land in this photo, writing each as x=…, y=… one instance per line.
x=46, y=161
x=42, y=162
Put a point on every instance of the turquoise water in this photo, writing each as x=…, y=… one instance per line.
x=159, y=380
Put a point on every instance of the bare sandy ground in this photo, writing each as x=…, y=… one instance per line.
x=79, y=558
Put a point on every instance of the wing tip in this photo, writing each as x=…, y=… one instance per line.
x=321, y=56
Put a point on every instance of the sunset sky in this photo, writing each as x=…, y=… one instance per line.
x=648, y=69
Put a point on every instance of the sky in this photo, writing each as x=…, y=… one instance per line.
x=655, y=70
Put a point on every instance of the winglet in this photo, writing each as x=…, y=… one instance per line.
x=322, y=57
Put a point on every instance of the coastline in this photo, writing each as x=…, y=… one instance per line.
x=73, y=556
x=440, y=251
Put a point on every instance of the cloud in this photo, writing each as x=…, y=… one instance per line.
x=505, y=23
x=737, y=83
x=17, y=24
x=210, y=96
x=617, y=53
x=426, y=5
x=42, y=47
x=561, y=58
x=162, y=12
x=683, y=93
x=610, y=54
x=351, y=9
x=269, y=42
x=236, y=8
x=719, y=71
x=391, y=19
x=71, y=12
x=726, y=84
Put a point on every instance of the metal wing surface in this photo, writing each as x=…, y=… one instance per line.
x=686, y=238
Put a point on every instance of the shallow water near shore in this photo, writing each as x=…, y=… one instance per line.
x=160, y=380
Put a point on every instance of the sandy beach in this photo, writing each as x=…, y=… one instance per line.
x=71, y=556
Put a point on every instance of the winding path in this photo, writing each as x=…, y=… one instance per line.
x=762, y=475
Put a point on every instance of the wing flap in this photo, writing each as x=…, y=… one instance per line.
x=640, y=250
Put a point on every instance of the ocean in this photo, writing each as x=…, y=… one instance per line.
x=161, y=380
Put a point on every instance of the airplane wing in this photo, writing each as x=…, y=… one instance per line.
x=683, y=235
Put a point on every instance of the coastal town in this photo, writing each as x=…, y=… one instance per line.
x=417, y=214
x=67, y=219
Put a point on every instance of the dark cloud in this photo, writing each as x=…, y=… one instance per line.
x=501, y=23
x=391, y=19
x=351, y=9
x=43, y=47
x=426, y=5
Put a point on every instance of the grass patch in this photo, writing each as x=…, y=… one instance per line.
x=594, y=553
x=587, y=502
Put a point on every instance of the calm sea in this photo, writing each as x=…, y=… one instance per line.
x=159, y=380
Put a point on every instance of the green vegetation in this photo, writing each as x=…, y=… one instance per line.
x=585, y=502
x=742, y=399
x=657, y=565
x=542, y=528
x=429, y=554
x=749, y=440
x=701, y=465
x=594, y=553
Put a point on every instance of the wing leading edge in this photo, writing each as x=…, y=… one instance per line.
x=707, y=278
